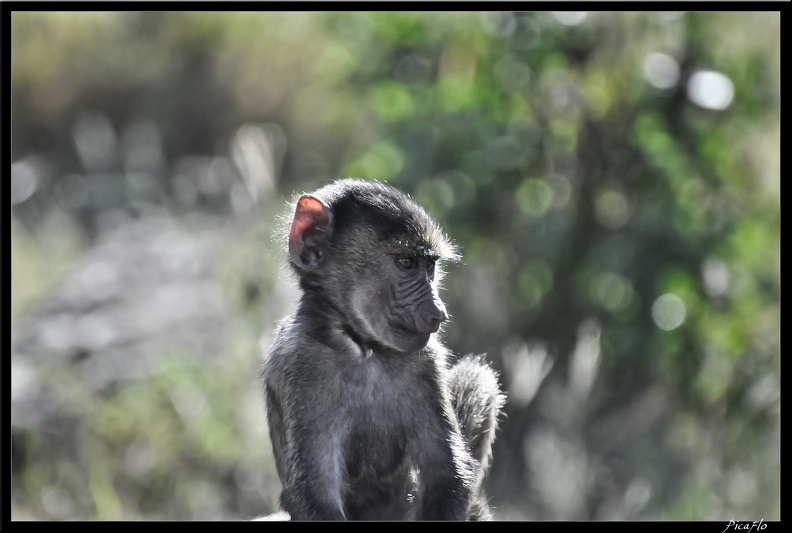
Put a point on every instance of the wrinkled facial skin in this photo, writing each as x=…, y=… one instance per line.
x=398, y=306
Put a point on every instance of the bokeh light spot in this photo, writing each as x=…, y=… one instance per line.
x=668, y=312
x=661, y=71
x=710, y=90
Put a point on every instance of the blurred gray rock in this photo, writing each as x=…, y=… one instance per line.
x=145, y=289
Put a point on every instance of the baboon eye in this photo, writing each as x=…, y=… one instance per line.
x=406, y=263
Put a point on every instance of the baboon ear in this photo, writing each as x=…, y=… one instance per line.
x=310, y=231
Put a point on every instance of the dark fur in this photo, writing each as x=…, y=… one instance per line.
x=367, y=420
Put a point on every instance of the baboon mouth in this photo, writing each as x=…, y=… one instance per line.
x=406, y=331
x=410, y=340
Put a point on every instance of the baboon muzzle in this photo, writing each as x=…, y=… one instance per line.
x=431, y=315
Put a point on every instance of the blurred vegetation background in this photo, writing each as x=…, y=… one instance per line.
x=612, y=178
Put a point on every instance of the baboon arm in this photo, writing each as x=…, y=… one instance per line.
x=446, y=467
x=314, y=482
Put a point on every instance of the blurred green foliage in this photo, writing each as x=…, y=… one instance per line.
x=618, y=213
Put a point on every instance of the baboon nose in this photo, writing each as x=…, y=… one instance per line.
x=433, y=316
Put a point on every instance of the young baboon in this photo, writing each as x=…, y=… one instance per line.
x=368, y=419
